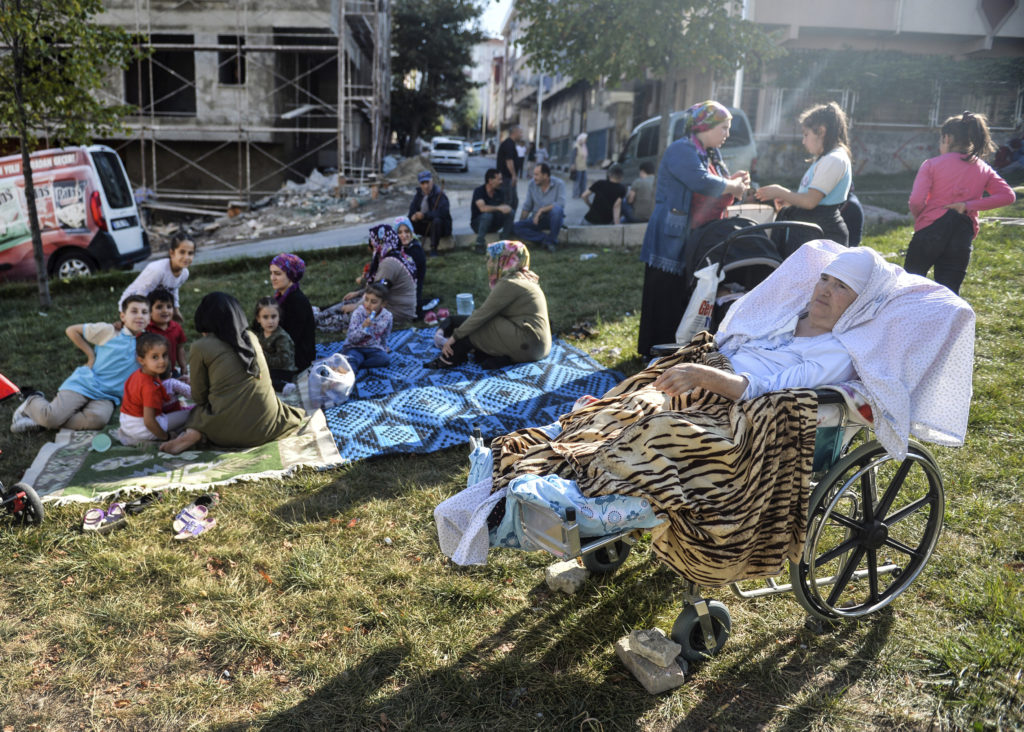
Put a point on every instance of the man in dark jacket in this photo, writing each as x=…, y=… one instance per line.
x=430, y=212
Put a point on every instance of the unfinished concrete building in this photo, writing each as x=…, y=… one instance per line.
x=238, y=96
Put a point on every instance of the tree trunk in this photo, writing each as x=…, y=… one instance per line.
x=42, y=278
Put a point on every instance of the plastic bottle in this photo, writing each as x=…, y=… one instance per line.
x=585, y=257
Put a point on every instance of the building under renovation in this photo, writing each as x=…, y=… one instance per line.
x=237, y=96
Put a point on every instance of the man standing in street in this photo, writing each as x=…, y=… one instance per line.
x=430, y=212
x=488, y=211
x=543, y=210
x=506, y=165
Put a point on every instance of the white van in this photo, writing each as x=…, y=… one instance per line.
x=86, y=211
x=739, y=151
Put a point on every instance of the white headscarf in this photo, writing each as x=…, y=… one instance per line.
x=911, y=341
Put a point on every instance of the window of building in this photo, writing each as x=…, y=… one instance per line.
x=231, y=64
x=164, y=84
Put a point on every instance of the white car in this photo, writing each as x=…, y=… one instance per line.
x=445, y=151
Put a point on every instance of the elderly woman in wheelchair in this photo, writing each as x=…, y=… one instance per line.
x=724, y=442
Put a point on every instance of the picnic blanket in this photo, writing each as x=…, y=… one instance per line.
x=406, y=408
x=68, y=470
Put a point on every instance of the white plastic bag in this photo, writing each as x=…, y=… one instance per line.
x=702, y=304
x=330, y=381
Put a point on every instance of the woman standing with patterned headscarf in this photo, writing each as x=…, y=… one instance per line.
x=694, y=188
x=512, y=324
x=286, y=270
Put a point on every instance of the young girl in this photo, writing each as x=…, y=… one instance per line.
x=947, y=195
x=161, y=322
x=170, y=273
x=367, y=343
x=826, y=184
x=278, y=347
x=148, y=413
x=86, y=399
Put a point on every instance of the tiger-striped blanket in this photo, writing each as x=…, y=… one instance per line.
x=732, y=478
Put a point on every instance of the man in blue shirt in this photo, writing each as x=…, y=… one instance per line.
x=543, y=209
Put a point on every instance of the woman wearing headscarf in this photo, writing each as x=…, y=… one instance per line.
x=694, y=188
x=579, y=164
x=390, y=266
x=286, y=270
x=512, y=324
x=412, y=247
x=236, y=406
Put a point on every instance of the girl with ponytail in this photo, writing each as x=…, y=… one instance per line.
x=948, y=192
x=826, y=184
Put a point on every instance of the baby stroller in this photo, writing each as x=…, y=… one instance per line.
x=20, y=501
x=731, y=257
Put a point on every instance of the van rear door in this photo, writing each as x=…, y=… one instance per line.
x=118, y=205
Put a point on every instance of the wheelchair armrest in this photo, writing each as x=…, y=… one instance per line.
x=829, y=396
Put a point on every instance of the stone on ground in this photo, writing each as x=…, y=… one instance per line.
x=654, y=646
x=655, y=678
x=567, y=577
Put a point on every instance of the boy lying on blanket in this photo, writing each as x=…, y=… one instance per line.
x=709, y=439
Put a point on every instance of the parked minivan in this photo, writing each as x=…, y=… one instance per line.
x=86, y=211
x=739, y=151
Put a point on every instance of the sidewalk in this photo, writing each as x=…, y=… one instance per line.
x=356, y=234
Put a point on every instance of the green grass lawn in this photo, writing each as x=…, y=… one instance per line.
x=324, y=601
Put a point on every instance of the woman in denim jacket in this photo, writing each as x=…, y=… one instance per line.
x=694, y=187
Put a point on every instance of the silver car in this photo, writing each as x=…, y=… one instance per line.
x=445, y=151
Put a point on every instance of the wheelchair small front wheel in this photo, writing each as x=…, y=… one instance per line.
x=24, y=504
x=689, y=633
x=607, y=559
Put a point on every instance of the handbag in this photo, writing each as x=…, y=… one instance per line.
x=573, y=173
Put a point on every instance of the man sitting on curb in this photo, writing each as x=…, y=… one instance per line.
x=544, y=209
x=488, y=211
x=430, y=212
x=639, y=203
x=605, y=199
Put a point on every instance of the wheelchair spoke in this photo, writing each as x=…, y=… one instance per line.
x=836, y=552
x=893, y=489
x=901, y=547
x=908, y=510
x=846, y=521
x=844, y=576
x=867, y=492
x=873, y=574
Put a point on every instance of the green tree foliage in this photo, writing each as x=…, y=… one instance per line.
x=432, y=45
x=53, y=58
x=619, y=40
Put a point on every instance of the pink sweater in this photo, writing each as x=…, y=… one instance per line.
x=949, y=179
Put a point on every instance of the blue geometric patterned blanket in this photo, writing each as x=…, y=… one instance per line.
x=406, y=408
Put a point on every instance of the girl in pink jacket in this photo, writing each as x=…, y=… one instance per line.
x=948, y=192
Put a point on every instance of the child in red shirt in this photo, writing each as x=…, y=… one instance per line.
x=161, y=322
x=147, y=412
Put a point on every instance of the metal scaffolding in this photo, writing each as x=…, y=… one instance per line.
x=234, y=100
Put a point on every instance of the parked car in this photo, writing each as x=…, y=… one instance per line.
x=86, y=210
x=739, y=151
x=445, y=151
x=478, y=148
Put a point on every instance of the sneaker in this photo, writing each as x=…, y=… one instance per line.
x=21, y=422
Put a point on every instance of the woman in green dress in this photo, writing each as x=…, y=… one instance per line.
x=511, y=326
x=236, y=406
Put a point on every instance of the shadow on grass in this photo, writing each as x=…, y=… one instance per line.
x=526, y=674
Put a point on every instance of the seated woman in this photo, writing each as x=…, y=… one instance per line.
x=235, y=401
x=511, y=326
x=389, y=263
x=719, y=441
x=412, y=247
x=825, y=186
x=286, y=271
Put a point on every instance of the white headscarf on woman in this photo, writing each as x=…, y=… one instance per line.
x=911, y=341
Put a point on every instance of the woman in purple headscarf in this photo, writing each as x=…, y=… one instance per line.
x=391, y=266
x=286, y=270
x=694, y=188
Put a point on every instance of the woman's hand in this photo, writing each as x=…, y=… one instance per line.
x=960, y=207
x=349, y=308
x=686, y=377
x=352, y=296
x=770, y=192
x=446, y=349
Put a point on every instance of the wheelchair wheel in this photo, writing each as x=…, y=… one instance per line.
x=873, y=524
x=688, y=632
x=607, y=559
x=23, y=504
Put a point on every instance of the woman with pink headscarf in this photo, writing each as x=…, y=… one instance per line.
x=694, y=188
x=286, y=270
x=512, y=324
